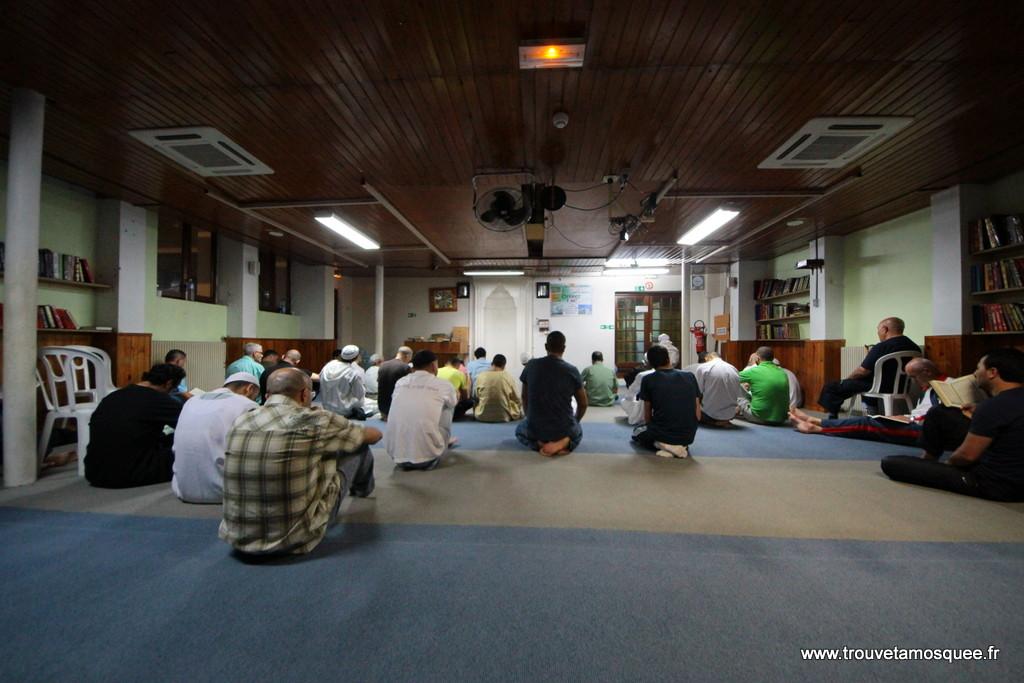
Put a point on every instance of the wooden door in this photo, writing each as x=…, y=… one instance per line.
x=640, y=317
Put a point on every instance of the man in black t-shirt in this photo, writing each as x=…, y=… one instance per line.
x=549, y=385
x=990, y=461
x=387, y=377
x=671, y=407
x=127, y=443
x=890, y=340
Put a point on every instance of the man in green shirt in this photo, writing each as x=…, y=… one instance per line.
x=600, y=382
x=769, y=391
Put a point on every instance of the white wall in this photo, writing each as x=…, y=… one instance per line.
x=403, y=296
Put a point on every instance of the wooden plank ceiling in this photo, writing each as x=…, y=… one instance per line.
x=417, y=97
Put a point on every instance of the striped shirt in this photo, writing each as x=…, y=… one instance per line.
x=281, y=480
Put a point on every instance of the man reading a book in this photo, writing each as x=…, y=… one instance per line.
x=989, y=463
x=904, y=430
x=890, y=340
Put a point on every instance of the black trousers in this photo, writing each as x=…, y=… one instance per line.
x=462, y=407
x=834, y=393
x=944, y=430
x=937, y=475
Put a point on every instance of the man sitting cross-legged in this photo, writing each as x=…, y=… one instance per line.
x=904, y=430
x=420, y=421
x=990, y=461
x=452, y=372
x=549, y=385
x=769, y=390
x=719, y=384
x=671, y=407
x=201, y=434
x=495, y=393
x=600, y=382
x=287, y=468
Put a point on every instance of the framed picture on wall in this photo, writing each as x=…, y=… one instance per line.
x=443, y=300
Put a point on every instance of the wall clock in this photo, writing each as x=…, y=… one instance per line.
x=443, y=299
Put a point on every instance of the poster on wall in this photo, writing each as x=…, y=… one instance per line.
x=570, y=299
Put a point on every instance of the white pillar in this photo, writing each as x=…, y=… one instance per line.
x=121, y=229
x=951, y=209
x=686, y=354
x=827, y=289
x=238, y=285
x=313, y=300
x=742, y=320
x=378, y=313
x=24, y=183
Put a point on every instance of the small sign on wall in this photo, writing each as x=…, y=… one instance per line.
x=641, y=309
x=607, y=327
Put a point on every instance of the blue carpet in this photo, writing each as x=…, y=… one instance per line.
x=100, y=597
x=744, y=441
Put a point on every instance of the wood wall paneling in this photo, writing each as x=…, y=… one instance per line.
x=958, y=355
x=814, y=362
x=315, y=352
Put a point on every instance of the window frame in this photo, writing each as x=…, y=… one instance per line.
x=185, y=260
x=272, y=256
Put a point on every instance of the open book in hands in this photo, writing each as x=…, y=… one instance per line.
x=956, y=393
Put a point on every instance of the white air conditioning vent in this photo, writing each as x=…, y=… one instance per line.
x=204, y=150
x=833, y=142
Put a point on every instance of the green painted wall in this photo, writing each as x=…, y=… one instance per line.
x=888, y=271
x=277, y=326
x=67, y=224
x=174, y=319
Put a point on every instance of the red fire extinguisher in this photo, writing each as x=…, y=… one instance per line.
x=699, y=335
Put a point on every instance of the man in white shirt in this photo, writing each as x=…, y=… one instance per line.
x=904, y=430
x=719, y=383
x=628, y=401
x=200, y=436
x=420, y=421
x=343, y=385
x=673, y=352
x=371, y=375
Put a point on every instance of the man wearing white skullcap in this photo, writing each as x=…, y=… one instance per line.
x=343, y=385
x=201, y=434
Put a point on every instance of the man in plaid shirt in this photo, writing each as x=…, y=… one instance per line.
x=287, y=467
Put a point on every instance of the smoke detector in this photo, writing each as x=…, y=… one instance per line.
x=560, y=120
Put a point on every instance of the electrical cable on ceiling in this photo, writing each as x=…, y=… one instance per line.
x=577, y=244
x=596, y=208
x=585, y=189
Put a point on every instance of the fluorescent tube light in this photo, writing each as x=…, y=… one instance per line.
x=708, y=226
x=495, y=273
x=635, y=271
x=641, y=262
x=339, y=226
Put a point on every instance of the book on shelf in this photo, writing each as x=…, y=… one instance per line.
x=778, y=331
x=764, y=289
x=956, y=393
x=994, y=232
x=998, y=317
x=773, y=311
x=53, y=318
x=55, y=266
x=1007, y=273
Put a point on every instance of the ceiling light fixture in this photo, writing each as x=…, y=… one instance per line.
x=795, y=223
x=641, y=262
x=707, y=226
x=275, y=233
x=551, y=54
x=331, y=221
x=634, y=271
x=494, y=273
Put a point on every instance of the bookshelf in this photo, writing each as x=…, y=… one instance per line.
x=996, y=275
x=780, y=322
x=68, y=283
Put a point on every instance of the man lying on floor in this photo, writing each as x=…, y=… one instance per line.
x=903, y=430
x=287, y=468
x=990, y=461
x=671, y=407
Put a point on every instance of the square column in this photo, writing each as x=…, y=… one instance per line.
x=313, y=300
x=742, y=319
x=951, y=209
x=238, y=285
x=121, y=229
x=827, y=290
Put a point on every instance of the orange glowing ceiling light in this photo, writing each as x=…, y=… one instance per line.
x=551, y=54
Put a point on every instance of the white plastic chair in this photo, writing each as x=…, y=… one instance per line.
x=901, y=386
x=68, y=377
x=103, y=356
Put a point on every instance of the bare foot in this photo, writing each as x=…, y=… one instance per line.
x=453, y=442
x=552, y=448
x=808, y=427
x=798, y=415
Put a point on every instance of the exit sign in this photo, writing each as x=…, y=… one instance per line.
x=607, y=327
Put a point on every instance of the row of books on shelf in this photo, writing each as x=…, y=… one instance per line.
x=768, y=288
x=994, y=232
x=783, y=331
x=58, y=266
x=998, y=317
x=772, y=311
x=1003, y=274
x=53, y=318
